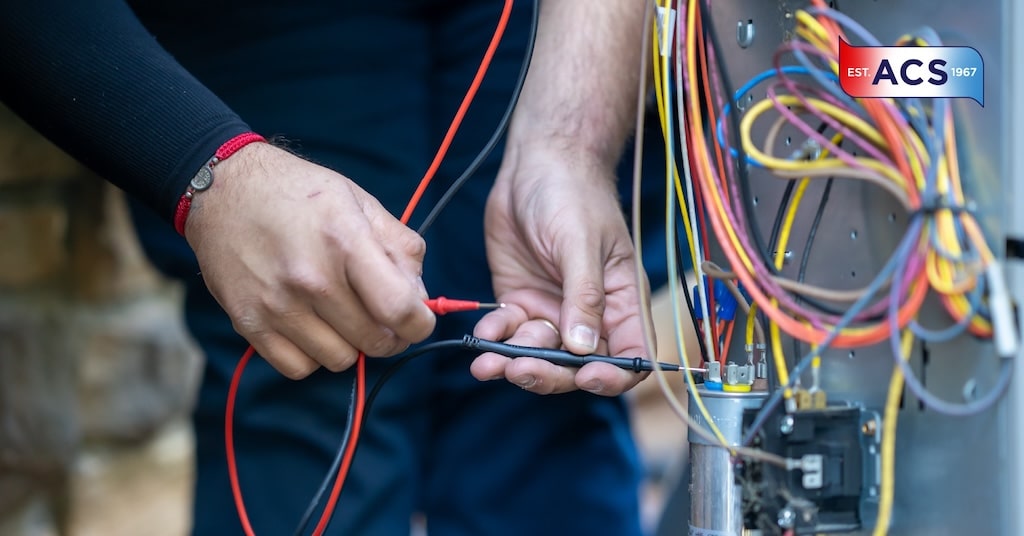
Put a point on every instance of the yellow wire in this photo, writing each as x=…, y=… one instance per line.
x=780, y=254
x=778, y=356
x=662, y=117
x=853, y=122
x=670, y=173
x=814, y=27
x=751, y=318
x=888, y=455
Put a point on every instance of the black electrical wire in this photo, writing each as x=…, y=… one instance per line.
x=787, y=194
x=427, y=222
x=468, y=342
x=704, y=355
x=499, y=131
x=401, y=360
x=566, y=358
x=780, y=214
x=811, y=234
x=346, y=435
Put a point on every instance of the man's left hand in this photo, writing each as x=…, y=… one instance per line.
x=563, y=264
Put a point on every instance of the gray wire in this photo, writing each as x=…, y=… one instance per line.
x=888, y=271
x=914, y=384
x=954, y=331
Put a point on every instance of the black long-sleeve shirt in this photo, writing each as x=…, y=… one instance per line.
x=104, y=79
x=90, y=77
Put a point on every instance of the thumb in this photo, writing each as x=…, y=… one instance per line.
x=583, y=300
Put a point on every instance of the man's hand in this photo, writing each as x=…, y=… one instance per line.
x=310, y=268
x=560, y=255
x=556, y=239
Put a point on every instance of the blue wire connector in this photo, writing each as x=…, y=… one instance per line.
x=725, y=302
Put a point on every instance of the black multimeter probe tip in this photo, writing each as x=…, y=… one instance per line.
x=567, y=359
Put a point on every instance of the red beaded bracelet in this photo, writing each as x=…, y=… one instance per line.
x=203, y=178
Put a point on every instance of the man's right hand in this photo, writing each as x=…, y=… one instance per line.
x=310, y=267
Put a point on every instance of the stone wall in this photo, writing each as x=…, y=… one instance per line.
x=92, y=348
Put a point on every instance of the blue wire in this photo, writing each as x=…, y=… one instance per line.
x=746, y=88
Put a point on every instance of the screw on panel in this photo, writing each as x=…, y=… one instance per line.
x=787, y=424
x=745, y=33
x=869, y=428
x=786, y=257
x=787, y=518
x=970, y=390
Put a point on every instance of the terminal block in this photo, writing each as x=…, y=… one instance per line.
x=823, y=491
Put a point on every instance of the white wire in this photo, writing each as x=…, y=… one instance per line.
x=698, y=247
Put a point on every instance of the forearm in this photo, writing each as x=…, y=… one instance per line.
x=580, y=94
x=92, y=79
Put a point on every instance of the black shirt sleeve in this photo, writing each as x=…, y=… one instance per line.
x=91, y=78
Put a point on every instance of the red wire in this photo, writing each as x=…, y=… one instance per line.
x=357, y=422
x=457, y=120
x=728, y=340
x=350, y=449
x=229, y=440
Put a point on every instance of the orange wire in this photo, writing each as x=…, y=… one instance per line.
x=357, y=422
x=728, y=340
x=712, y=116
x=791, y=326
x=716, y=329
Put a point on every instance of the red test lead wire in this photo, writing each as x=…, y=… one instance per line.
x=440, y=306
x=339, y=480
x=443, y=306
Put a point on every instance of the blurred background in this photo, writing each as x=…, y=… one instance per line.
x=97, y=374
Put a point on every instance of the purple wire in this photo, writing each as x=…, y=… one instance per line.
x=825, y=118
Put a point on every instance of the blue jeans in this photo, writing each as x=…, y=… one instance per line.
x=370, y=94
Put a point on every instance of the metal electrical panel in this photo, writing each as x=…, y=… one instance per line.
x=954, y=476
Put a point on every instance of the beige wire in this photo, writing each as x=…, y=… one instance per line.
x=716, y=271
x=645, y=300
x=864, y=174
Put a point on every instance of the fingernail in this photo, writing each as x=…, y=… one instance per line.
x=526, y=382
x=583, y=336
x=594, y=386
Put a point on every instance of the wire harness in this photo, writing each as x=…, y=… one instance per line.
x=904, y=148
